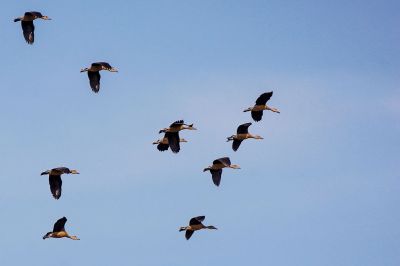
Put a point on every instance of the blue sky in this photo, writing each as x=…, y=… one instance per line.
x=322, y=188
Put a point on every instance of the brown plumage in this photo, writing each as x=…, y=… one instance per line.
x=195, y=224
x=260, y=106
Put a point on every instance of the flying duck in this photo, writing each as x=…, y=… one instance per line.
x=94, y=74
x=163, y=143
x=27, y=24
x=173, y=134
x=195, y=224
x=55, y=179
x=260, y=106
x=216, y=168
x=242, y=134
x=59, y=230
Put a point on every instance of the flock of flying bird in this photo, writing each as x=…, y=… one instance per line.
x=170, y=140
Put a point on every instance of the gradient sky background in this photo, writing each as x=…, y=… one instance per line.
x=322, y=188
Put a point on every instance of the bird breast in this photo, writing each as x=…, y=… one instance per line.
x=60, y=234
x=258, y=108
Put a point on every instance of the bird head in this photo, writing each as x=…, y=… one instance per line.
x=156, y=142
x=163, y=130
x=190, y=127
x=182, y=228
x=45, y=172
x=206, y=169
x=84, y=69
x=47, y=235
x=229, y=138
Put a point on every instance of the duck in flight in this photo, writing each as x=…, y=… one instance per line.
x=59, y=230
x=173, y=134
x=55, y=179
x=28, y=28
x=242, y=133
x=195, y=224
x=94, y=74
x=260, y=106
x=163, y=144
x=216, y=168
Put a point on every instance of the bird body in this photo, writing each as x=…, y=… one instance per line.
x=28, y=28
x=195, y=224
x=260, y=106
x=217, y=166
x=242, y=133
x=94, y=74
x=55, y=180
x=59, y=230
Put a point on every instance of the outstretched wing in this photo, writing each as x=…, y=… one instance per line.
x=216, y=176
x=105, y=65
x=35, y=14
x=173, y=141
x=236, y=143
x=188, y=234
x=64, y=170
x=263, y=99
x=243, y=129
x=60, y=225
x=55, y=185
x=162, y=147
x=177, y=123
x=94, y=79
x=196, y=220
x=257, y=115
x=224, y=160
x=29, y=31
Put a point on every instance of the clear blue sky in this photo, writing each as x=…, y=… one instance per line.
x=322, y=188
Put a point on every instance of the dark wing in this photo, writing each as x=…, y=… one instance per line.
x=257, y=115
x=177, y=123
x=196, y=220
x=188, y=234
x=173, y=141
x=236, y=143
x=105, y=65
x=224, y=160
x=263, y=99
x=35, y=13
x=243, y=129
x=64, y=170
x=60, y=225
x=55, y=185
x=216, y=176
x=162, y=147
x=29, y=31
x=94, y=79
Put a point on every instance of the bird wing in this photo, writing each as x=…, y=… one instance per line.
x=236, y=143
x=60, y=225
x=94, y=79
x=224, y=160
x=35, y=13
x=263, y=99
x=257, y=115
x=216, y=176
x=243, y=128
x=177, y=123
x=162, y=147
x=105, y=65
x=55, y=185
x=188, y=234
x=173, y=141
x=29, y=31
x=64, y=170
x=196, y=220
